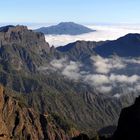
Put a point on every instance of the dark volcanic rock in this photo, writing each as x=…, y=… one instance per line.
x=129, y=123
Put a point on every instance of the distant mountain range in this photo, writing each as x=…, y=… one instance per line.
x=65, y=28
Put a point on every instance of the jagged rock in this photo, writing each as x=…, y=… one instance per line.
x=22, y=36
x=22, y=48
x=17, y=122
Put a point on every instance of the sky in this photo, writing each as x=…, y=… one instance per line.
x=80, y=11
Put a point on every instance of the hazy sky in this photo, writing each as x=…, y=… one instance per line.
x=82, y=11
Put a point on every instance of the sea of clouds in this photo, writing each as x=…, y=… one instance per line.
x=104, y=78
x=103, y=32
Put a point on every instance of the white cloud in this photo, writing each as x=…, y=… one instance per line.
x=96, y=79
x=124, y=78
x=104, y=89
x=72, y=70
x=132, y=60
x=105, y=65
x=58, y=63
x=117, y=95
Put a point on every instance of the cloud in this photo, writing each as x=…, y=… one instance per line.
x=132, y=60
x=58, y=63
x=96, y=79
x=124, y=78
x=103, y=32
x=117, y=95
x=105, y=89
x=104, y=77
x=72, y=70
x=105, y=65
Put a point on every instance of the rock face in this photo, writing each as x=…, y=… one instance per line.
x=22, y=51
x=21, y=35
x=22, y=48
x=129, y=123
x=17, y=122
x=68, y=28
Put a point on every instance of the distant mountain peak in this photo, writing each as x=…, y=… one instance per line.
x=68, y=28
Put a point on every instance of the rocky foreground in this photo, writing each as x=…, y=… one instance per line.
x=17, y=122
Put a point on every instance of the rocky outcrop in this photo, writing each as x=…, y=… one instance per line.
x=129, y=123
x=22, y=51
x=22, y=36
x=21, y=48
x=17, y=122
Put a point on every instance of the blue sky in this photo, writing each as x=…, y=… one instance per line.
x=81, y=11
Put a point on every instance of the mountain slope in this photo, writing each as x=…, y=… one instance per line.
x=19, y=122
x=79, y=50
x=68, y=28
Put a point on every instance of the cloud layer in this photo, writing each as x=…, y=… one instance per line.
x=103, y=32
x=105, y=75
